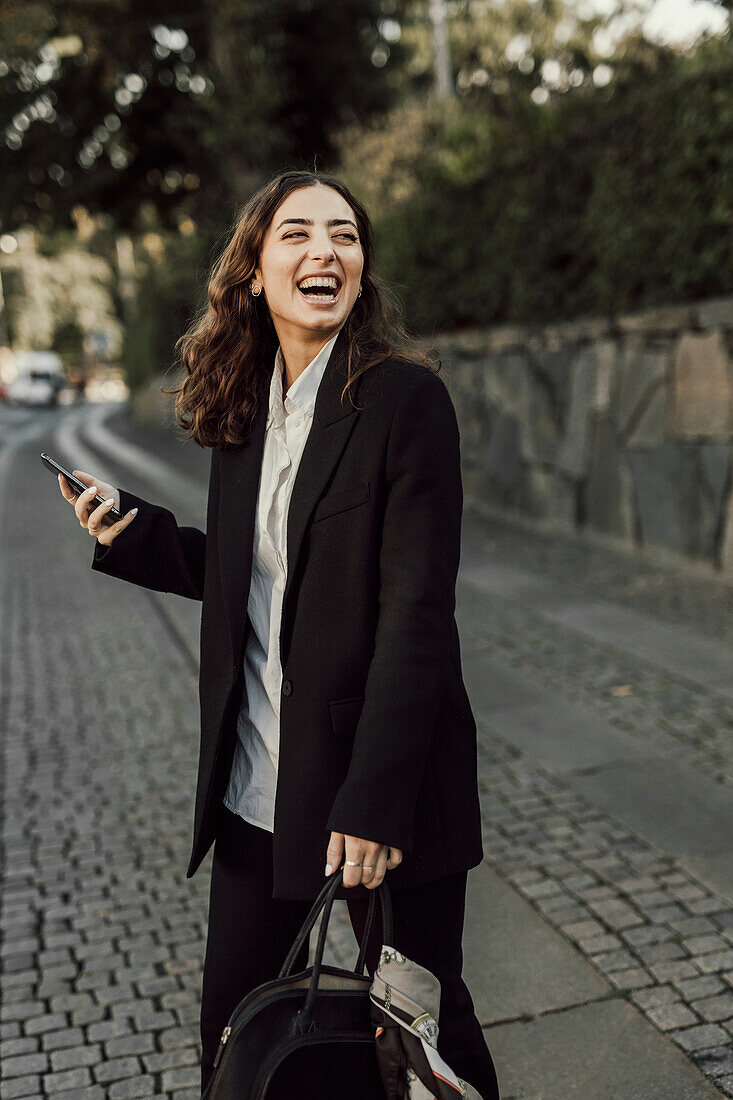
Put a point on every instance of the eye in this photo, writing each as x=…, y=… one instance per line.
x=299, y=233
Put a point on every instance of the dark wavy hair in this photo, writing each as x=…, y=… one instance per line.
x=229, y=349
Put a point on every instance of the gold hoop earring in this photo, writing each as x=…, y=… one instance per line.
x=256, y=290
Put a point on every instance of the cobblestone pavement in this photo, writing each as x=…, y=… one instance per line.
x=679, y=594
x=658, y=935
x=655, y=932
x=104, y=936
x=661, y=708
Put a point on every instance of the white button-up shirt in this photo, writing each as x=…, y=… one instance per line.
x=253, y=778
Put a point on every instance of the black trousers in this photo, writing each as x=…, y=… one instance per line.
x=249, y=935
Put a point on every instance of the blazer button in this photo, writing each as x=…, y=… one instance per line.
x=287, y=687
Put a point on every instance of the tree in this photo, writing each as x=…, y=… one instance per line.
x=180, y=105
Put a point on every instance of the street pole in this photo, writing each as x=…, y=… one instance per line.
x=126, y=277
x=4, y=330
x=441, y=48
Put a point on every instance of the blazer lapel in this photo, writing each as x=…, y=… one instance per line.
x=332, y=425
x=239, y=485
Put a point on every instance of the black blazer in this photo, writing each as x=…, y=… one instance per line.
x=377, y=736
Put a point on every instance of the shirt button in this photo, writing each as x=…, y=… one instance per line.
x=287, y=687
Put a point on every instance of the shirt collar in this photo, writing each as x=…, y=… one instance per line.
x=302, y=393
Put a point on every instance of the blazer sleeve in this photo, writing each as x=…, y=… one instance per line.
x=154, y=552
x=419, y=557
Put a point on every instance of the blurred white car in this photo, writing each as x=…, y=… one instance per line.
x=40, y=378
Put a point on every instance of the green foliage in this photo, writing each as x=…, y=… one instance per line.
x=596, y=202
x=661, y=210
x=169, y=285
x=184, y=106
x=528, y=197
x=68, y=341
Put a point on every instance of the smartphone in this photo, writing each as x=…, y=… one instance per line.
x=110, y=516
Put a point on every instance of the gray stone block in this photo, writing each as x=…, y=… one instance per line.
x=657, y=320
x=713, y=1009
x=576, y=1053
x=502, y=466
x=639, y=396
x=66, y=1080
x=574, y=453
x=670, y=1016
x=679, y=491
x=608, y=491
x=518, y=965
x=717, y=1061
x=548, y=494
x=115, y=1069
x=24, y=1064
x=702, y=388
x=132, y=1088
x=21, y=1086
x=553, y=367
x=700, y=1037
x=715, y=313
x=71, y=1057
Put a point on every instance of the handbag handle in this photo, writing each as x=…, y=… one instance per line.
x=325, y=901
x=367, y=931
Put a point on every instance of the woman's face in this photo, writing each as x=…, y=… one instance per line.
x=313, y=233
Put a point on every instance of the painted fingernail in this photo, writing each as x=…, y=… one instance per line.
x=110, y=500
x=132, y=512
x=329, y=869
x=92, y=488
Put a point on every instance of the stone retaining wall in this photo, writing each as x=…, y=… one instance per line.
x=622, y=426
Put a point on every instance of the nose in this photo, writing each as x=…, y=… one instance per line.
x=321, y=247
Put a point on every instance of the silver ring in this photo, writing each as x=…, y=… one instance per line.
x=351, y=863
x=369, y=866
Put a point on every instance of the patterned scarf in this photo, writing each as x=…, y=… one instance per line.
x=405, y=1004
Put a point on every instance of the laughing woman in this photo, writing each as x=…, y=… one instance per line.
x=335, y=725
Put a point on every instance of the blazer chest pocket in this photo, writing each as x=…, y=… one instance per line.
x=341, y=500
x=345, y=715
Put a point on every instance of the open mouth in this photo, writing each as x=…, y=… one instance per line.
x=323, y=289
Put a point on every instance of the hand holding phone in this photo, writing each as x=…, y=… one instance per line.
x=95, y=502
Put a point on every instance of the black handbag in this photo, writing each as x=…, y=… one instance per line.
x=307, y=1035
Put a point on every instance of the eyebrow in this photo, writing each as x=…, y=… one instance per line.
x=309, y=221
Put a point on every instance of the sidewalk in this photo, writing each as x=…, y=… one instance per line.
x=599, y=940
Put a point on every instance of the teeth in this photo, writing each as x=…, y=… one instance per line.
x=326, y=280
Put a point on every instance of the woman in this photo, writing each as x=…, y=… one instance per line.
x=335, y=725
